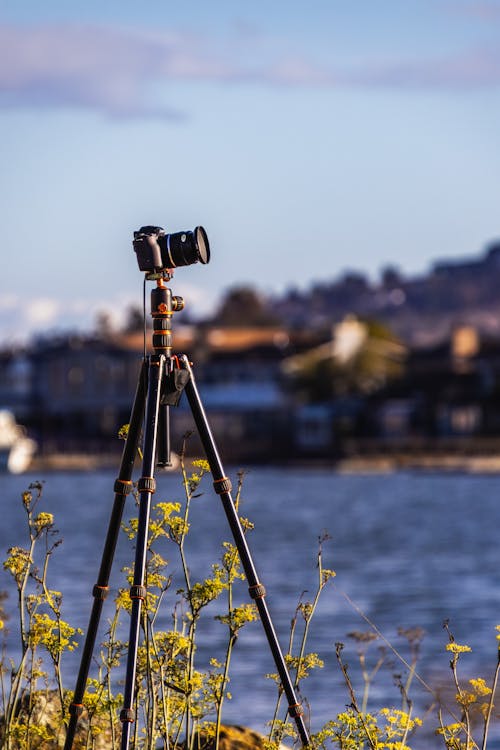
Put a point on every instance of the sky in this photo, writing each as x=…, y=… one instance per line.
x=308, y=138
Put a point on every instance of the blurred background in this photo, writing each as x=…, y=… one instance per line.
x=344, y=159
x=344, y=162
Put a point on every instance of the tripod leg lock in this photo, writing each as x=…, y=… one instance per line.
x=100, y=592
x=295, y=710
x=127, y=715
x=122, y=487
x=147, y=484
x=223, y=485
x=258, y=591
x=138, y=592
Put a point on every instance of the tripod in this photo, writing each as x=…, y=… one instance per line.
x=162, y=380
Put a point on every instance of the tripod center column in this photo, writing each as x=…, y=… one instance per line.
x=163, y=306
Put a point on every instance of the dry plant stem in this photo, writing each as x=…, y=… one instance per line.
x=409, y=712
x=152, y=712
x=368, y=678
x=164, y=699
x=354, y=703
x=16, y=685
x=56, y=659
x=490, y=705
x=112, y=637
x=293, y=626
x=273, y=723
x=135, y=733
x=232, y=635
x=307, y=618
x=29, y=506
x=440, y=719
x=22, y=593
x=411, y=675
x=387, y=642
x=163, y=692
x=225, y=677
x=307, y=610
x=188, y=727
x=466, y=716
x=2, y=684
x=275, y=715
x=400, y=657
x=277, y=707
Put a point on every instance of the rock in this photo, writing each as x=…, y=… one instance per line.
x=49, y=730
x=233, y=738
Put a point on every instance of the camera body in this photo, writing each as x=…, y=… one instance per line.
x=158, y=251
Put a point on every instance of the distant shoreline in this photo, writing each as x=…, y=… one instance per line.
x=355, y=464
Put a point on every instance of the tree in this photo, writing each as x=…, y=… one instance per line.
x=134, y=320
x=243, y=306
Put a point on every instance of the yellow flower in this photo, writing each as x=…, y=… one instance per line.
x=456, y=648
x=200, y=463
x=465, y=699
x=480, y=686
x=43, y=520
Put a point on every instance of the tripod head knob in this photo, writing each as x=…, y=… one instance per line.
x=177, y=303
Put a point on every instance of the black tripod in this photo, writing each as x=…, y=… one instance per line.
x=162, y=380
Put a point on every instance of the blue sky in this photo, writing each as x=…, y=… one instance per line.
x=308, y=139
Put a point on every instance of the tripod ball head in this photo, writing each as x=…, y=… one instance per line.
x=158, y=251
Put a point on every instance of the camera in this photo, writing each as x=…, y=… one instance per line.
x=158, y=251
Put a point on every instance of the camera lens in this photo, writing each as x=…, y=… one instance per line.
x=185, y=248
x=202, y=244
x=157, y=251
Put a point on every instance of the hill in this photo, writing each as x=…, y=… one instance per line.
x=421, y=310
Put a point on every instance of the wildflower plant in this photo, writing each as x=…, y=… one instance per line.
x=302, y=662
x=476, y=701
x=178, y=703
x=43, y=634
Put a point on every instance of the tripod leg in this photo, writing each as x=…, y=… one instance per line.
x=147, y=486
x=222, y=486
x=123, y=485
x=164, y=459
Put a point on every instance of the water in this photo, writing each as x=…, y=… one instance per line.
x=408, y=550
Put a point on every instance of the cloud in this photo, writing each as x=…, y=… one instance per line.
x=116, y=71
x=41, y=311
x=97, y=67
x=475, y=69
x=20, y=317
